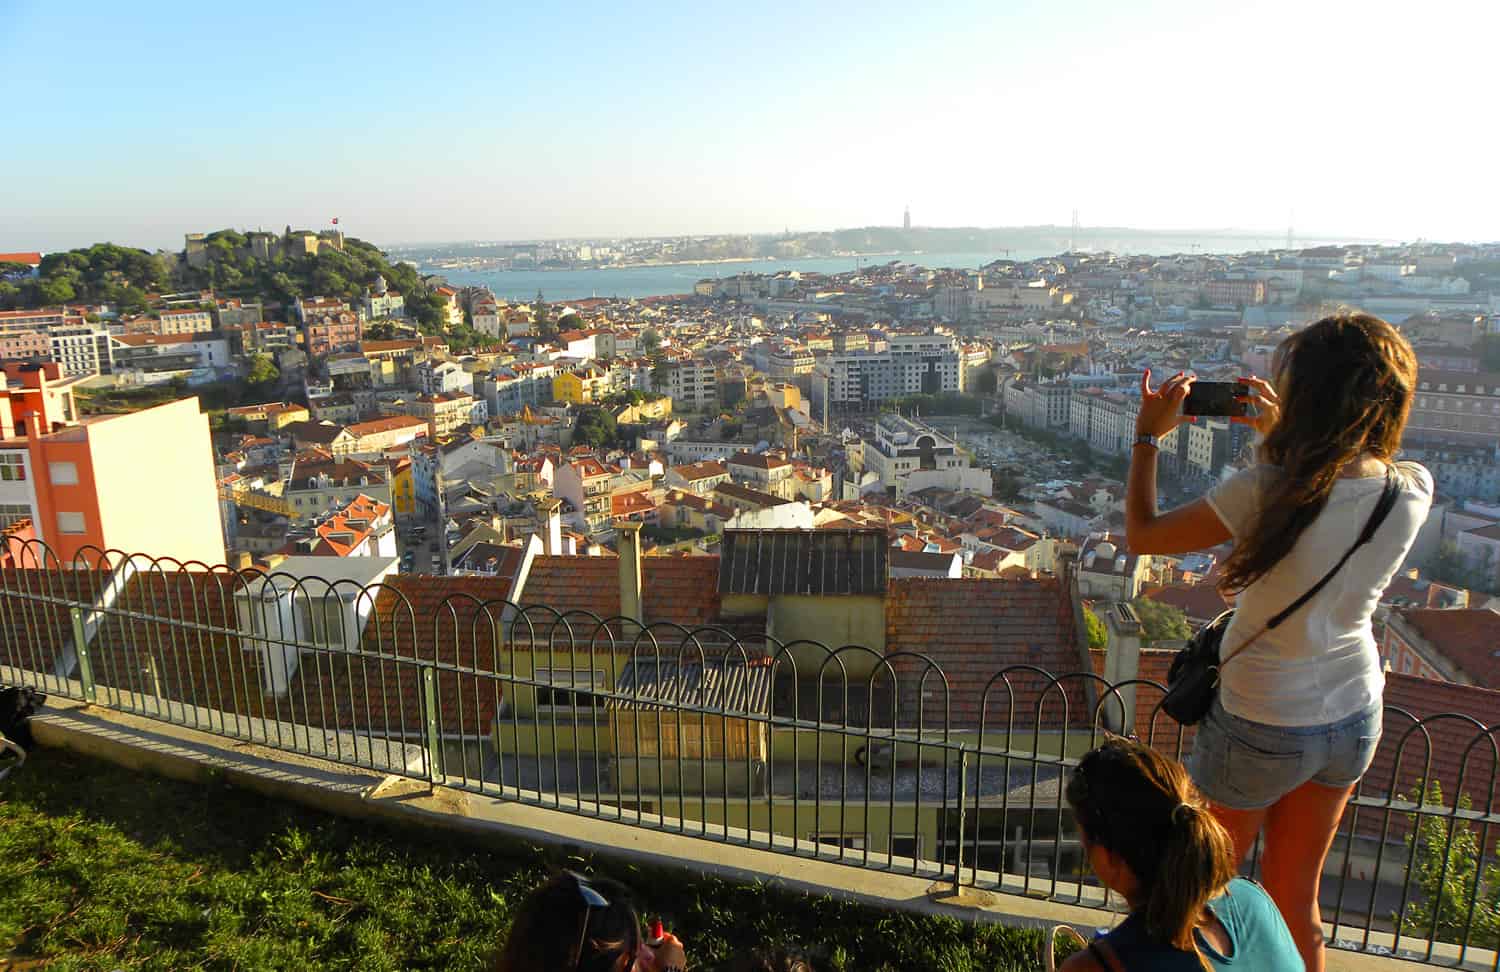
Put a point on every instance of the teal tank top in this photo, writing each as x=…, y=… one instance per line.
x=1259, y=939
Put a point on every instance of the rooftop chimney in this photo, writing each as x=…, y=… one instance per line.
x=552, y=535
x=629, y=543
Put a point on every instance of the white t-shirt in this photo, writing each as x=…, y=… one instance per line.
x=1321, y=664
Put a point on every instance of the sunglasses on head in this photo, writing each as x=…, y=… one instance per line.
x=592, y=901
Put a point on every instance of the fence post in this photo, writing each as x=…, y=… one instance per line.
x=81, y=650
x=963, y=789
x=430, y=716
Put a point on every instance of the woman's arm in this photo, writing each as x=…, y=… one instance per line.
x=1192, y=527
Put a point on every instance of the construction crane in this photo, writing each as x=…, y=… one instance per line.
x=257, y=501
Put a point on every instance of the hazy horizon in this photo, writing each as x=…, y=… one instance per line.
x=464, y=122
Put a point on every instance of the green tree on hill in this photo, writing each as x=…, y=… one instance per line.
x=102, y=273
x=594, y=427
x=263, y=371
x=106, y=273
x=1161, y=622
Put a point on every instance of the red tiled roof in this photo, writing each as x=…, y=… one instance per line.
x=452, y=620
x=683, y=590
x=1453, y=746
x=1469, y=638
x=1200, y=602
x=700, y=470
x=757, y=460
x=625, y=504
x=30, y=259
x=973, y=628
x=360, y=429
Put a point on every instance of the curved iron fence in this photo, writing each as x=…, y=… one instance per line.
x=838, y=752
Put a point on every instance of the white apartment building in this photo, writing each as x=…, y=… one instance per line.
x=487, y=320
x=1017, y=295
x=789, y=361
x=769, y=474
x=442, y=377
x=1103, y=419
x=1208, y=446
x=382, y=305
x=907, y=456
x=83, y=350
x=914, y=364
x=1039, y=405
x=693, y=385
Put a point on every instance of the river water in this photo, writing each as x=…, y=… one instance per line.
x=650, y=281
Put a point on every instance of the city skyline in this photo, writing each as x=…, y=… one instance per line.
x=598, y=123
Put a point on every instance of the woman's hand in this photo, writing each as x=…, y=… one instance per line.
x=1267, y=406
x=1161, y=410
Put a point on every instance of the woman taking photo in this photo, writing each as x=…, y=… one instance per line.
x=1150, y=839
x=1298, y=712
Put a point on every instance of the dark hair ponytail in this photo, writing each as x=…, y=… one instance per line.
x=1137, y=803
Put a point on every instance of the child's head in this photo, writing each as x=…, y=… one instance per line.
x=1150, y=836
x=573, y=923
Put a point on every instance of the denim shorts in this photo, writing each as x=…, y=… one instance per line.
x=1248, y=765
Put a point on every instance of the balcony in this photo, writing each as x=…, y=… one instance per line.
x=840, y=757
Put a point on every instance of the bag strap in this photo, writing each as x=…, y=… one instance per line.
x=1388, y=497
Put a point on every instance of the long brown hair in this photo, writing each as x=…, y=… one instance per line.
x=1345, y=384
x=1142, y=806
x=555, y=918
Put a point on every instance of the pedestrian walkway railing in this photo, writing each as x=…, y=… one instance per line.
x=839, y=752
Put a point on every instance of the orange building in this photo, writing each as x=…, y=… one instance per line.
x=142, y=482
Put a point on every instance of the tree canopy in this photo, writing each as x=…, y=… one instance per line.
x=107, y=273
x=1161, y=622
x=102, y=273
x=263, y=370
x=594, y=427
x=1098, y=636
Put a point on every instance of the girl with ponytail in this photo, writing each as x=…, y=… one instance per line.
x=1150, y=837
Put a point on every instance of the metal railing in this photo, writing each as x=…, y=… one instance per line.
x=840, y=753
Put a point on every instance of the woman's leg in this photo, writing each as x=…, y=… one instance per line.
x=1242, y=825
x=1299, y=831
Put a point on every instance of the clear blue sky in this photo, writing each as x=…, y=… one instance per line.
x=139, y=122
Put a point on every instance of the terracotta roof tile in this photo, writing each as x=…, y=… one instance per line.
x=1200, y=602
x=683, y=590
x=974, y=628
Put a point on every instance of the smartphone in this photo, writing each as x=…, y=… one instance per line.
x=1216, y=398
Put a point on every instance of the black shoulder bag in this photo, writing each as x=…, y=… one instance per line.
x=1193, y=679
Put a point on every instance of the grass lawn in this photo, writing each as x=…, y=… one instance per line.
x=104, y=868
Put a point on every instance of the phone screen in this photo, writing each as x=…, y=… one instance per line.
x=1215, y=398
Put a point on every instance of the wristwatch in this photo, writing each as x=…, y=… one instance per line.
x=1146, y=439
